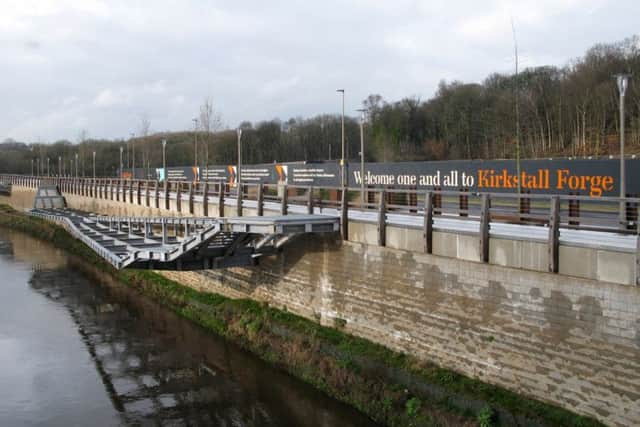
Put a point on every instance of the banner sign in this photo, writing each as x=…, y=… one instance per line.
x=585, y=177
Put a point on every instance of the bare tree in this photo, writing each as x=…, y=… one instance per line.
x=210, y=122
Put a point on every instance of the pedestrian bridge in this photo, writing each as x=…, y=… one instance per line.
x=178, y=243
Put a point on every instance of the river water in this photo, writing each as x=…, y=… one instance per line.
x=77, y=352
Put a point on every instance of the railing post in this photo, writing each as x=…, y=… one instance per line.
x=221, y=199
x=554, y=235
x=166, y=194
x=382, y=219
x=205, y=199
x=239, y=200
x=179, y=197
x=344, y=214
x=285, y=200
x=637, y=254
x=485, y=218
x=164, y=231
x=130, y=191
x=118, y=186
x=156, y=192
x=260, y=199
x=310, y=201
x=138, y=193
x=191, y=198
x=463, y=203
x=147, y=197
x=428, y=222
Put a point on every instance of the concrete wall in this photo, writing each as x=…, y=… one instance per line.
x=572, y=341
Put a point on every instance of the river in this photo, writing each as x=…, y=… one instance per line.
x=74, y=351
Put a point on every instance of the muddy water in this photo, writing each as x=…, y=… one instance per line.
x=77, y=352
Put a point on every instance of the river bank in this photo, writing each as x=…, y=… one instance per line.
x=391, y=388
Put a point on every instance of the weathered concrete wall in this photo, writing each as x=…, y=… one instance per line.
x=571, y=341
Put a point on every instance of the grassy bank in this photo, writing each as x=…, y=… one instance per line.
x=392, y=388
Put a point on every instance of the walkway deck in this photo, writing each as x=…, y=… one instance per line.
x=168, y=243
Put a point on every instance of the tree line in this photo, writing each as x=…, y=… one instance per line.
x=562, y=111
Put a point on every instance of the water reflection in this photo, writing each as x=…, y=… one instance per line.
x=155, y=367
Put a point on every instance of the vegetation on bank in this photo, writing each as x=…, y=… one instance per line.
x=392, y=388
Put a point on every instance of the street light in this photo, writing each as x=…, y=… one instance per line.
x=121, y=165
x=362, y=111
x=238, y=174
x=48, y=167
x=195, y=132
x=342, y=162
x=31, y=167
x=59, y=165
x=94, y=165
x=76, y=165
x=133, y=155
x=38, y=165
x=164, y=159
x=622, y=80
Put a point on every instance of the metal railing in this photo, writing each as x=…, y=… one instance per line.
x=383, y=206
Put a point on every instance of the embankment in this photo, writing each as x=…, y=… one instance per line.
x=393, y=388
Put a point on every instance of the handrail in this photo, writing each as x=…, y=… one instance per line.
x=577, y=211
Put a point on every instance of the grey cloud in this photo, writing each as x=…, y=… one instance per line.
x=99, y=65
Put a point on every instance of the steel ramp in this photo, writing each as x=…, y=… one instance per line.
x=182, y=243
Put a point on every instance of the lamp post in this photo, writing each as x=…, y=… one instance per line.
x=59, y=165
x=195, y=133
x=121, y=165
x=362, y=111
x=38, y=165
x=622, y=80
x=76, y=165
x=164, y=160
x=48, y=174
x=94, y=165
x=133, y=155
x=342, y=162
x=31, y=167
x=239, y=171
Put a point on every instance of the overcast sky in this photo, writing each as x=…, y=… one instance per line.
x=68, y=65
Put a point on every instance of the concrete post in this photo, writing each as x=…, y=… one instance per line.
x=554, y=235
x=638, y=252
x=166, y=193
x=191, y=198
x=310, y=200
x=239, y=200
x=147, y=196
x=156, y=192
x=485, y=218
x=138, y=195
x=130, y=192
x=284, y=201
x=179, y=197
x=164, y=231
x=221, y=199
x=344, y=214
x=382, y=219
x=260, y=199
x=428, y=222
x=118, y=185
x=205, y=199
